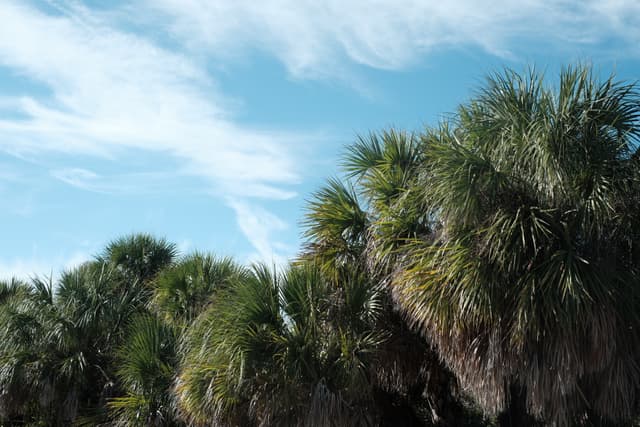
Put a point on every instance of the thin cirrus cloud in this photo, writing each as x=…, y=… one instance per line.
x=108, y=91
x=33, y=267
x=113, y=90
x=78, y=177
x=120, y=184
x=319, y=38
x=260, y=224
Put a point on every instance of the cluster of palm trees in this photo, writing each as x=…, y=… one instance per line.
x=482, y=272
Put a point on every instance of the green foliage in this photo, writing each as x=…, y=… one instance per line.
x=384, y=165
x=55, y=345
x=351, y=239
x=11, y=289
x=532, y=278
x=335, y=226
x=140, y=256
x=147, y=363
x=276, y=349
x=58, y=342
x=183, y=291
x=489, y=264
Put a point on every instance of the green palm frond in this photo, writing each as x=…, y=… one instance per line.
x=12, y=288
x=147, y=365
x=526, y=283
x=383, y=164
x=183, y=291
x=271, y=350
x=141, y=256
x=335, y=225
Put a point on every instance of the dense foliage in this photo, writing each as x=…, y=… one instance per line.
x=481, y=272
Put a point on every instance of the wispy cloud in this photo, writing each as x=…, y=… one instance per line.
x=127, y=183
x=260, y=227
x=77, y=177
x=105, y=91
x=25, y=268
x=320, y=38
x=109, y=91
x=112, y=90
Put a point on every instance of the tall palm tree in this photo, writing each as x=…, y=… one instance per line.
x=358, y=224
x=336, y=228
x=529, y=284
x=283, y=349
x=344, y=216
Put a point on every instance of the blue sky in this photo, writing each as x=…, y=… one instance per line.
x=210, y=122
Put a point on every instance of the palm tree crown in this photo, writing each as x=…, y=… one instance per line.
x=531, y=277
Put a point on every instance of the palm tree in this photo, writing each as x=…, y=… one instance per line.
x=283, y=349
x=344, y=216
x=13, y=288
x=140, y=256
x=57, y=342
x=147, y=363
x=183, y=291
x=358, y=224
x=39, y=360
x=148, y=357
x=336, y=228
x=528, y=285
x=15, y=296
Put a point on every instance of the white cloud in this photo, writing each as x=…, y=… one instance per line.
x=317, y=38
x=112, y=91
x=127, y=183
x=25, y=268
x=109, y=91
x=260, y=228
x=77, y=177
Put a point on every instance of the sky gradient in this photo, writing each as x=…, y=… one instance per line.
x=210, y=122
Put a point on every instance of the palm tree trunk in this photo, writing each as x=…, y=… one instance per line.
x=516, y=414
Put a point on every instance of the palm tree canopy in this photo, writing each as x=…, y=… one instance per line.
x=534, y=276
x=147, y=365
x=140, y=256
x=183, y=291
x=271, y=352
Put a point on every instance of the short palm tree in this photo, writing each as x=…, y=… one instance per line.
x=18, y=328
x=57, y=342
x=148, y=357
x=182, y=291
x=13, y=288
x=147, y=363
x=139, y=256
x=43, y=357
x=282, y=349
x=529, y=283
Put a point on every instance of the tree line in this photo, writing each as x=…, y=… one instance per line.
x=484, y=271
